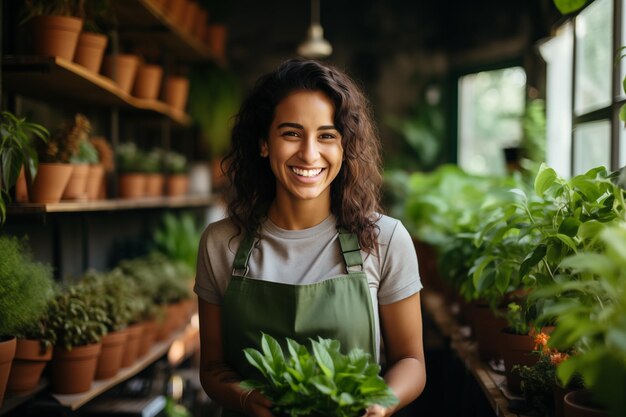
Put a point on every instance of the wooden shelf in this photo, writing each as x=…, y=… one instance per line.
x=55, y=78
x=149, y=24
x=492, y=383
x=12, y=400
x=119, y=204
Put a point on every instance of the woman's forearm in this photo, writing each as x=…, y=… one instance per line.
x=406, y=378
x=221, y=383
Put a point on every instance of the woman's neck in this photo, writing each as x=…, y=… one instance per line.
x=302, y=215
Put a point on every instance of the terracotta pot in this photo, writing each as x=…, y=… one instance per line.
x=122, y=69
x=50, y=182
x=56, y=35
x=7, y=353
x=486, y=328
x=177, y=185
x=111, y=354
x=76, y=188
x=132, y=185
x=580, y=404
x=131, y=348
x=154, y=184
x=175, y=9
x=176, y=91
x=72, y=371
x=168, y=325
x=30, y=360
x=215, y=37
x=559, y=394
x=148, y=337
x=90, y=50
x=21, y=188
x=94, y=181
x=148, y=81
x=516, y=350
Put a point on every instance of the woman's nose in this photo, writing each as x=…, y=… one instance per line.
x=309, y=150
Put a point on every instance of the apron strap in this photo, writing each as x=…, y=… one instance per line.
x=240, y=264
x=350, y=249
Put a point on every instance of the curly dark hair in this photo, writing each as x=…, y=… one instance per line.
x=355, y=192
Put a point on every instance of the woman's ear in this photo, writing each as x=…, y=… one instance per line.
x=264, y=150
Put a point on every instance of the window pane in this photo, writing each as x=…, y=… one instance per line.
x=592, y=146
x=594, y=56
x=558, y=52
x=623, y=61
x=490, y=106
x=622, y=147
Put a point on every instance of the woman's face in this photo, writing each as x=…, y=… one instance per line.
x=304, y=148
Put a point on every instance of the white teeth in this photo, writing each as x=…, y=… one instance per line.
x=306, y=172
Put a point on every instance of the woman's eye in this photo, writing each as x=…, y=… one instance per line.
x=327, y=136
x=290, y=133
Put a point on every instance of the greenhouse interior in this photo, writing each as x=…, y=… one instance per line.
x=313, y=208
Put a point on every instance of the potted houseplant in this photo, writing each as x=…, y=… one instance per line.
x=589, y=309
x=92, y=42
x=322, y=381
x=24, y=290
x=155, y=179
x=175, y=165
x=55, y=156
x=17, y=151
x=96, y=182
x=130, y=164
x=85, y=156
x=178, y=238
x=79, y=323
x=55, y=26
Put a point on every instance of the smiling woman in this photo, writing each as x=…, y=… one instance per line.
x=305, y=246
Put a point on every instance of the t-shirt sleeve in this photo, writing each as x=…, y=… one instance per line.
x=206, y=286
x=399, y=270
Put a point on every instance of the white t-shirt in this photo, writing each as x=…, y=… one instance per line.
x=308, y=256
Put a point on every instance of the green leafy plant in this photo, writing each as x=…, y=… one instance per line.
x=590, y=312
x=17, y=150
x=324, y=382
x=175, y=163
x=129, y=158
x=87, y=154
x=77, y=317
x=570, y=6
x=75, y=8
x=26, y=286
x=516, y=322
x=178, y=238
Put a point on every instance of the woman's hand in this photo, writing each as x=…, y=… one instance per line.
x=255, y=404
x=376, y=411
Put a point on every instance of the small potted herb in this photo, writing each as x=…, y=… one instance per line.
x=325, y=382
x=176, y=168
x=132, y=177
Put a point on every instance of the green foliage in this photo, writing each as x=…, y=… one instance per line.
x=161, y=280
x=590, y=309
x=516, y=322
x=214, y=99
x=178, y=238
x=77, y=317
x=570, y=6
x=129, y=158
x=26, y=286
x=87, y=154
x=175, y=163
x=324, y=382
x=118, y=296
x=34, y=8
x=16, y=150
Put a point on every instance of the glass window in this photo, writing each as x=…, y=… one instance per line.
x=594, y=56
x=622, y=146
x=490, y=106
x=592, y=146
x=622, y=52
x=558, y=54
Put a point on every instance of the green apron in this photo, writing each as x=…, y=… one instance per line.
x=338, y=308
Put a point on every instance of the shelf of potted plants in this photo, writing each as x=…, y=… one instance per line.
x=53, y=77
x=179, y=32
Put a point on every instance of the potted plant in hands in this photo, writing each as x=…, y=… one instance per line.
x=79, y=323
x=325, y=382
x=24, y=291
x=17, y=151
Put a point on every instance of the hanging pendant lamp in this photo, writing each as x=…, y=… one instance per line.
x=315, y=46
